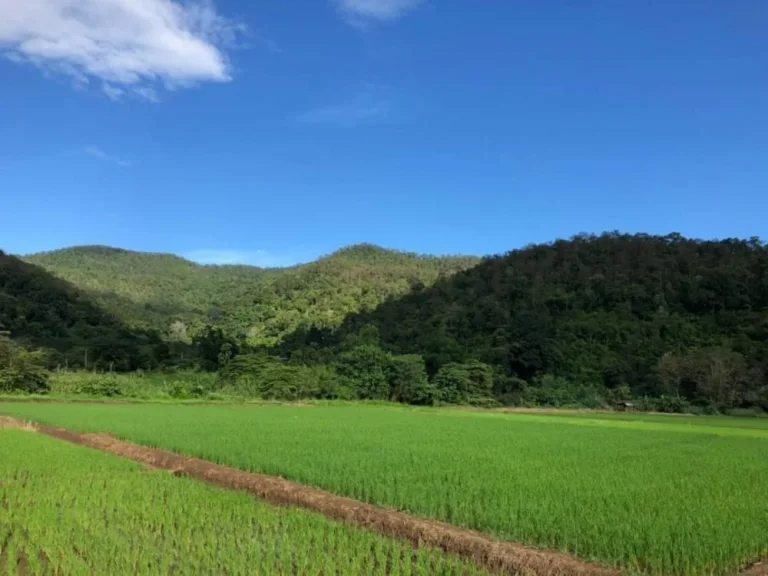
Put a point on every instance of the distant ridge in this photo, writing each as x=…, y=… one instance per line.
x=175, y=295
x=40, y=310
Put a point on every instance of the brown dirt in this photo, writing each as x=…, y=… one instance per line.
x=8, y=423
x=759, y=568
x=498, y=557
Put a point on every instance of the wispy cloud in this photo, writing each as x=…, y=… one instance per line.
x=260, y=258
x=362, y=11
x=366, y=108
x=96, y=152
x=112, y=92
x=127, y=46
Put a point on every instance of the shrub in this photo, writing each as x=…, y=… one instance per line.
x=367, y=367
x=408, y=382
x=100, y=385
x=509, y=390
x=458, y=383
x=22, y=370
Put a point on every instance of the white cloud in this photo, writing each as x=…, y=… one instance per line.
x=260, y=258
x=365, y=10
x=128, y=46
x=101, y=155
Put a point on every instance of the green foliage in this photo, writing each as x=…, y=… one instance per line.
x=214, y=349
x=467, y=383
x=678, y=496
x=509, y=390
x=47, y=312
x=22, y=370
x=408, y=382
x=261, y=376
x=71, y=510
x=683, y=323
x=377, y=375
x=715, y=375
x=136, y=385
x=600, y=312
x=179, y=298
x=367, y=367
x=103, y=385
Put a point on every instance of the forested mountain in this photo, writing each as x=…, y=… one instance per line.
x=152, y=290
x=588, y=321
x=639, y=314
x=40, y=310
x=179, y=298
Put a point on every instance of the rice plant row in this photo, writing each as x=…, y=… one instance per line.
x=65, y=509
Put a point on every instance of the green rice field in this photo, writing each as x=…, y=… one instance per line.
x=70, y=510
x=664, y=496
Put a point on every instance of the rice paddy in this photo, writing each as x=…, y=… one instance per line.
x=653, y=497
x=65, y=509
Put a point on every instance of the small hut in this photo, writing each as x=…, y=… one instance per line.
x=624, y=406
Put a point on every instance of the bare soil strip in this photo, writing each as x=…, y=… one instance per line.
x=498, y=557
x=759, y=568
x=8, y=423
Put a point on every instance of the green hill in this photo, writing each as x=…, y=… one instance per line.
x=41, y=310
x=178, y=297
x=655, y=315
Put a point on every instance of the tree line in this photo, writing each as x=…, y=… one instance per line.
x=667, y=322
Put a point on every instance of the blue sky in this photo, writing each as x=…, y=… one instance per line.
x=275, y=131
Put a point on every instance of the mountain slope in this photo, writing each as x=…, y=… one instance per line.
x=148, y=289
x=179, y=297
x=657, y=314
x=44, y=311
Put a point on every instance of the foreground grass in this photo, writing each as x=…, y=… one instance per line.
x=655, y=497
x=71, y=510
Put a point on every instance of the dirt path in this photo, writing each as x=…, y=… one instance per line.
x=759, y=568
x=8, y=423
x=498, y=557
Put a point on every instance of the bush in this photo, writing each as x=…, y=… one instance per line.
x=329, y=385
x=22, y=370
x=30, y=379
x=408, y=382
x=458, y=383
x=509, y=390
x=367, y=367
x=178, y=390
x=263, y=376
x=672, y=405
x=100, y=385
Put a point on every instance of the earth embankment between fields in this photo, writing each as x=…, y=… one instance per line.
x=495, y=556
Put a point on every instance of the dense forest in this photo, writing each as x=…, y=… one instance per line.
x=259, y=306
x=39, y=310
x=590, y=320
x=665, y=322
